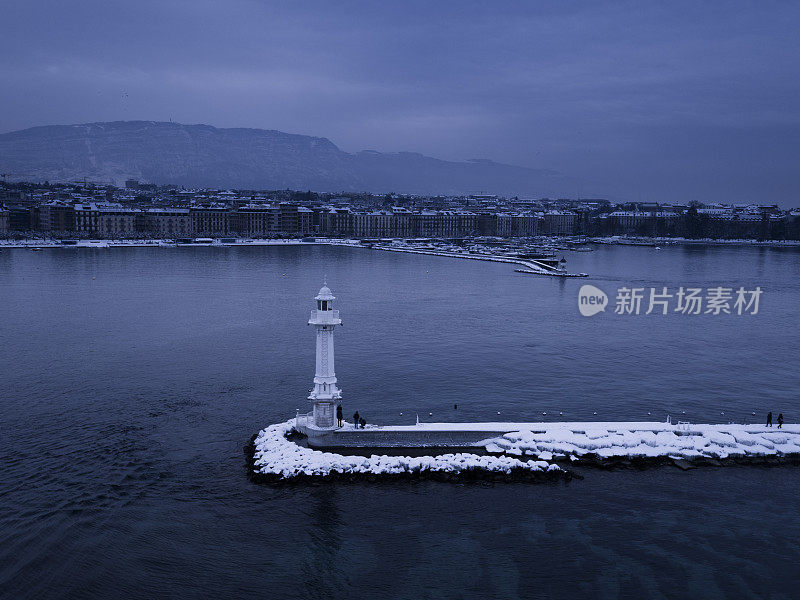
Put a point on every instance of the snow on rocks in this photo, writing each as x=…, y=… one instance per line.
x=614, y=440
x=277, y=458
x=531, y=450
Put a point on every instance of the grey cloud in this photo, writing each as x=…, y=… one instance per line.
x=667, y=101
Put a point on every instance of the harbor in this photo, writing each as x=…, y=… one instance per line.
x=534, y=263
x=532, y=266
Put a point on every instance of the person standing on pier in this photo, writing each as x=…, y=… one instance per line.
x=356, y=417
x=780, y=420
x=339, y=414
x=769, y=419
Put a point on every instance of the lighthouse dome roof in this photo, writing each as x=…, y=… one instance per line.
x=325, y=294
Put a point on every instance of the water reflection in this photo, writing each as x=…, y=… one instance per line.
x=321, y=570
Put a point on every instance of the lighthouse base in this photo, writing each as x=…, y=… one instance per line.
x=322, y=417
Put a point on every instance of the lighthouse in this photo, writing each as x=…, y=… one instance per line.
x=325, y=395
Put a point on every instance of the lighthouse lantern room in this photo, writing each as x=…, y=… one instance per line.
x=325, y=395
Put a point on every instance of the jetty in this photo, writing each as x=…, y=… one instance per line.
x=532, y=452
x=321, y=443
x=569, y=438
x=532, y=266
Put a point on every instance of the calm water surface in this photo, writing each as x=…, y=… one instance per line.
x=131, y=379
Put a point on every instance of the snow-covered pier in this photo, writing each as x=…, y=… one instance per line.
x=275, y=457
x=511, y=449
x=646, y=440
x=568, y=438
x=532, y=266
x=333, y=447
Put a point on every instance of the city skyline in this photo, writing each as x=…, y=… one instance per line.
x=142, y=210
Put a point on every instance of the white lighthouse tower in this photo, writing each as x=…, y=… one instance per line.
x=325, y=394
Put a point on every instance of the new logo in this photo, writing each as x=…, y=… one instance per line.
x=591, y=300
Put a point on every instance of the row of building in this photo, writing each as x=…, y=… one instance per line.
x=88, y=211
x=113, y=220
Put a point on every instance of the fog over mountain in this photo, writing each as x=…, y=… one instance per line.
x=205, y=156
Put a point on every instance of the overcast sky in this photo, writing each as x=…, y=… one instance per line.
x=655, y=101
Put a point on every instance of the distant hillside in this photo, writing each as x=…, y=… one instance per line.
x=205, y=156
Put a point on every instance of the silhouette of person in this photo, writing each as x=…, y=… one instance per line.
x=362, y=422
x=780, y=420
x=356, y=417
x=339, y=414
x=769, y=419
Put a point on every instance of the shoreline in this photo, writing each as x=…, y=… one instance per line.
x=645, y=242
x=679, y=241
x=157, y=243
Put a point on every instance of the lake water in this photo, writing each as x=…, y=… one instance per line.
x=132, y=378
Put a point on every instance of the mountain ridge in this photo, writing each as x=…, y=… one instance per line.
x=200, y=155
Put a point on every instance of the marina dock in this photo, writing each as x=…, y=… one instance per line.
x=532, y=266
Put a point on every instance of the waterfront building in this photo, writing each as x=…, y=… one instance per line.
x=468, y=223
x=288, y=218
x=292, y=219
x=402, y=221
x=378, y=223
x=624, y=222
x=449, y=224
x=423, y=223
x=167, y=222
x=20, y=218
x=558, y=222
x=486, y=224
x=209, y=220
x=255, y=220
x=504, y=224
x=443, y=224
x=514, y=225
x=305, y=220
x=87, y=217
x=105, y=220
x=57, y=217
x=716, y=212
x=336, y=221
